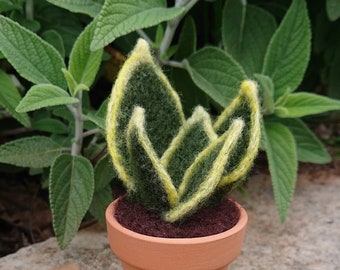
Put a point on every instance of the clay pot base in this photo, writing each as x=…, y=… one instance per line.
x=207, y=221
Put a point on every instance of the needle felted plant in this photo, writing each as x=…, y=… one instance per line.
x=172, y=165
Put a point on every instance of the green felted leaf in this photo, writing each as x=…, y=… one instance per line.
x=302, y=104
x=104, y=172
x=187, y=39
x=203, y=176
x=282, y=159
x=84, y=63
x=55, y=39
x=10, y=98
x=50, y=125
x=153, y=185
x=192, y=138
x=44, y=95
x=247, y=107
x=288, y=52
x=33, y=58
x=308, y=146
x=333, y=9
x=216, y=73
x=141, y=83
x=71, y=189
x=100, y=201
x=120, y=17
x=89, y=7
x=246, y=32
x=32, y=152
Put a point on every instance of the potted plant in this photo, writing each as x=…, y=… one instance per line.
x=176, y=171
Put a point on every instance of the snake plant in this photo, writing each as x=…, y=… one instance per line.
x=172, y=165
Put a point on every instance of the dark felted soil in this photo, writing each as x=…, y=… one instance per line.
x=207, y=221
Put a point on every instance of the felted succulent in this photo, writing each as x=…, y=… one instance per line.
x=172, y=165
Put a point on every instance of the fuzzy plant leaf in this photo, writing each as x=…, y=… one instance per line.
x=195, y=135
x=84, y=63
x=32, y=57
x=288, y=52
x=71, y=189
x=10, y=98
x=155, y=187
x=101, y=200
x=102, y=196
x=246, y=32
x=71, y=82
x=31, y=152
x=187, y=39
x=333, y=9
x=89, y=7
x=50, y=125
x=44, y=95
x=308, y=146
x=97, y=120
x=266, y=87
x=99, y=116
x=245, y=105
x=141, y=83
x=104, y=172
x=120, y=17
x=203, y=176
x=216, y=73
x=55, y=39
x=282, y=158
x=303, y=104
x=7, y=5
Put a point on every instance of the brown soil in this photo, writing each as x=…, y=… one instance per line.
x=25, y=216
x=207, y=221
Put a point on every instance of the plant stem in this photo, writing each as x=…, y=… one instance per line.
x=91, y=132
x=172, y=26
x=174, y=64
x=144, y=35
x=29, y=9
x=16, y=131
x=77, y=112
x=4, y=114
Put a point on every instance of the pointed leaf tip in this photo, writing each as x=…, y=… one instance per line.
x=249, y=85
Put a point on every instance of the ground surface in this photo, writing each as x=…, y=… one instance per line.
x=308, y=240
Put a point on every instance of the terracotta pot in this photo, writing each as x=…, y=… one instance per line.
x=137, y=251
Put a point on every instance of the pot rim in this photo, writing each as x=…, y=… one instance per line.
x=112, y=221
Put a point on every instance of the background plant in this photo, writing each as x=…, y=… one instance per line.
x=72, y=133
x=206, y=54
